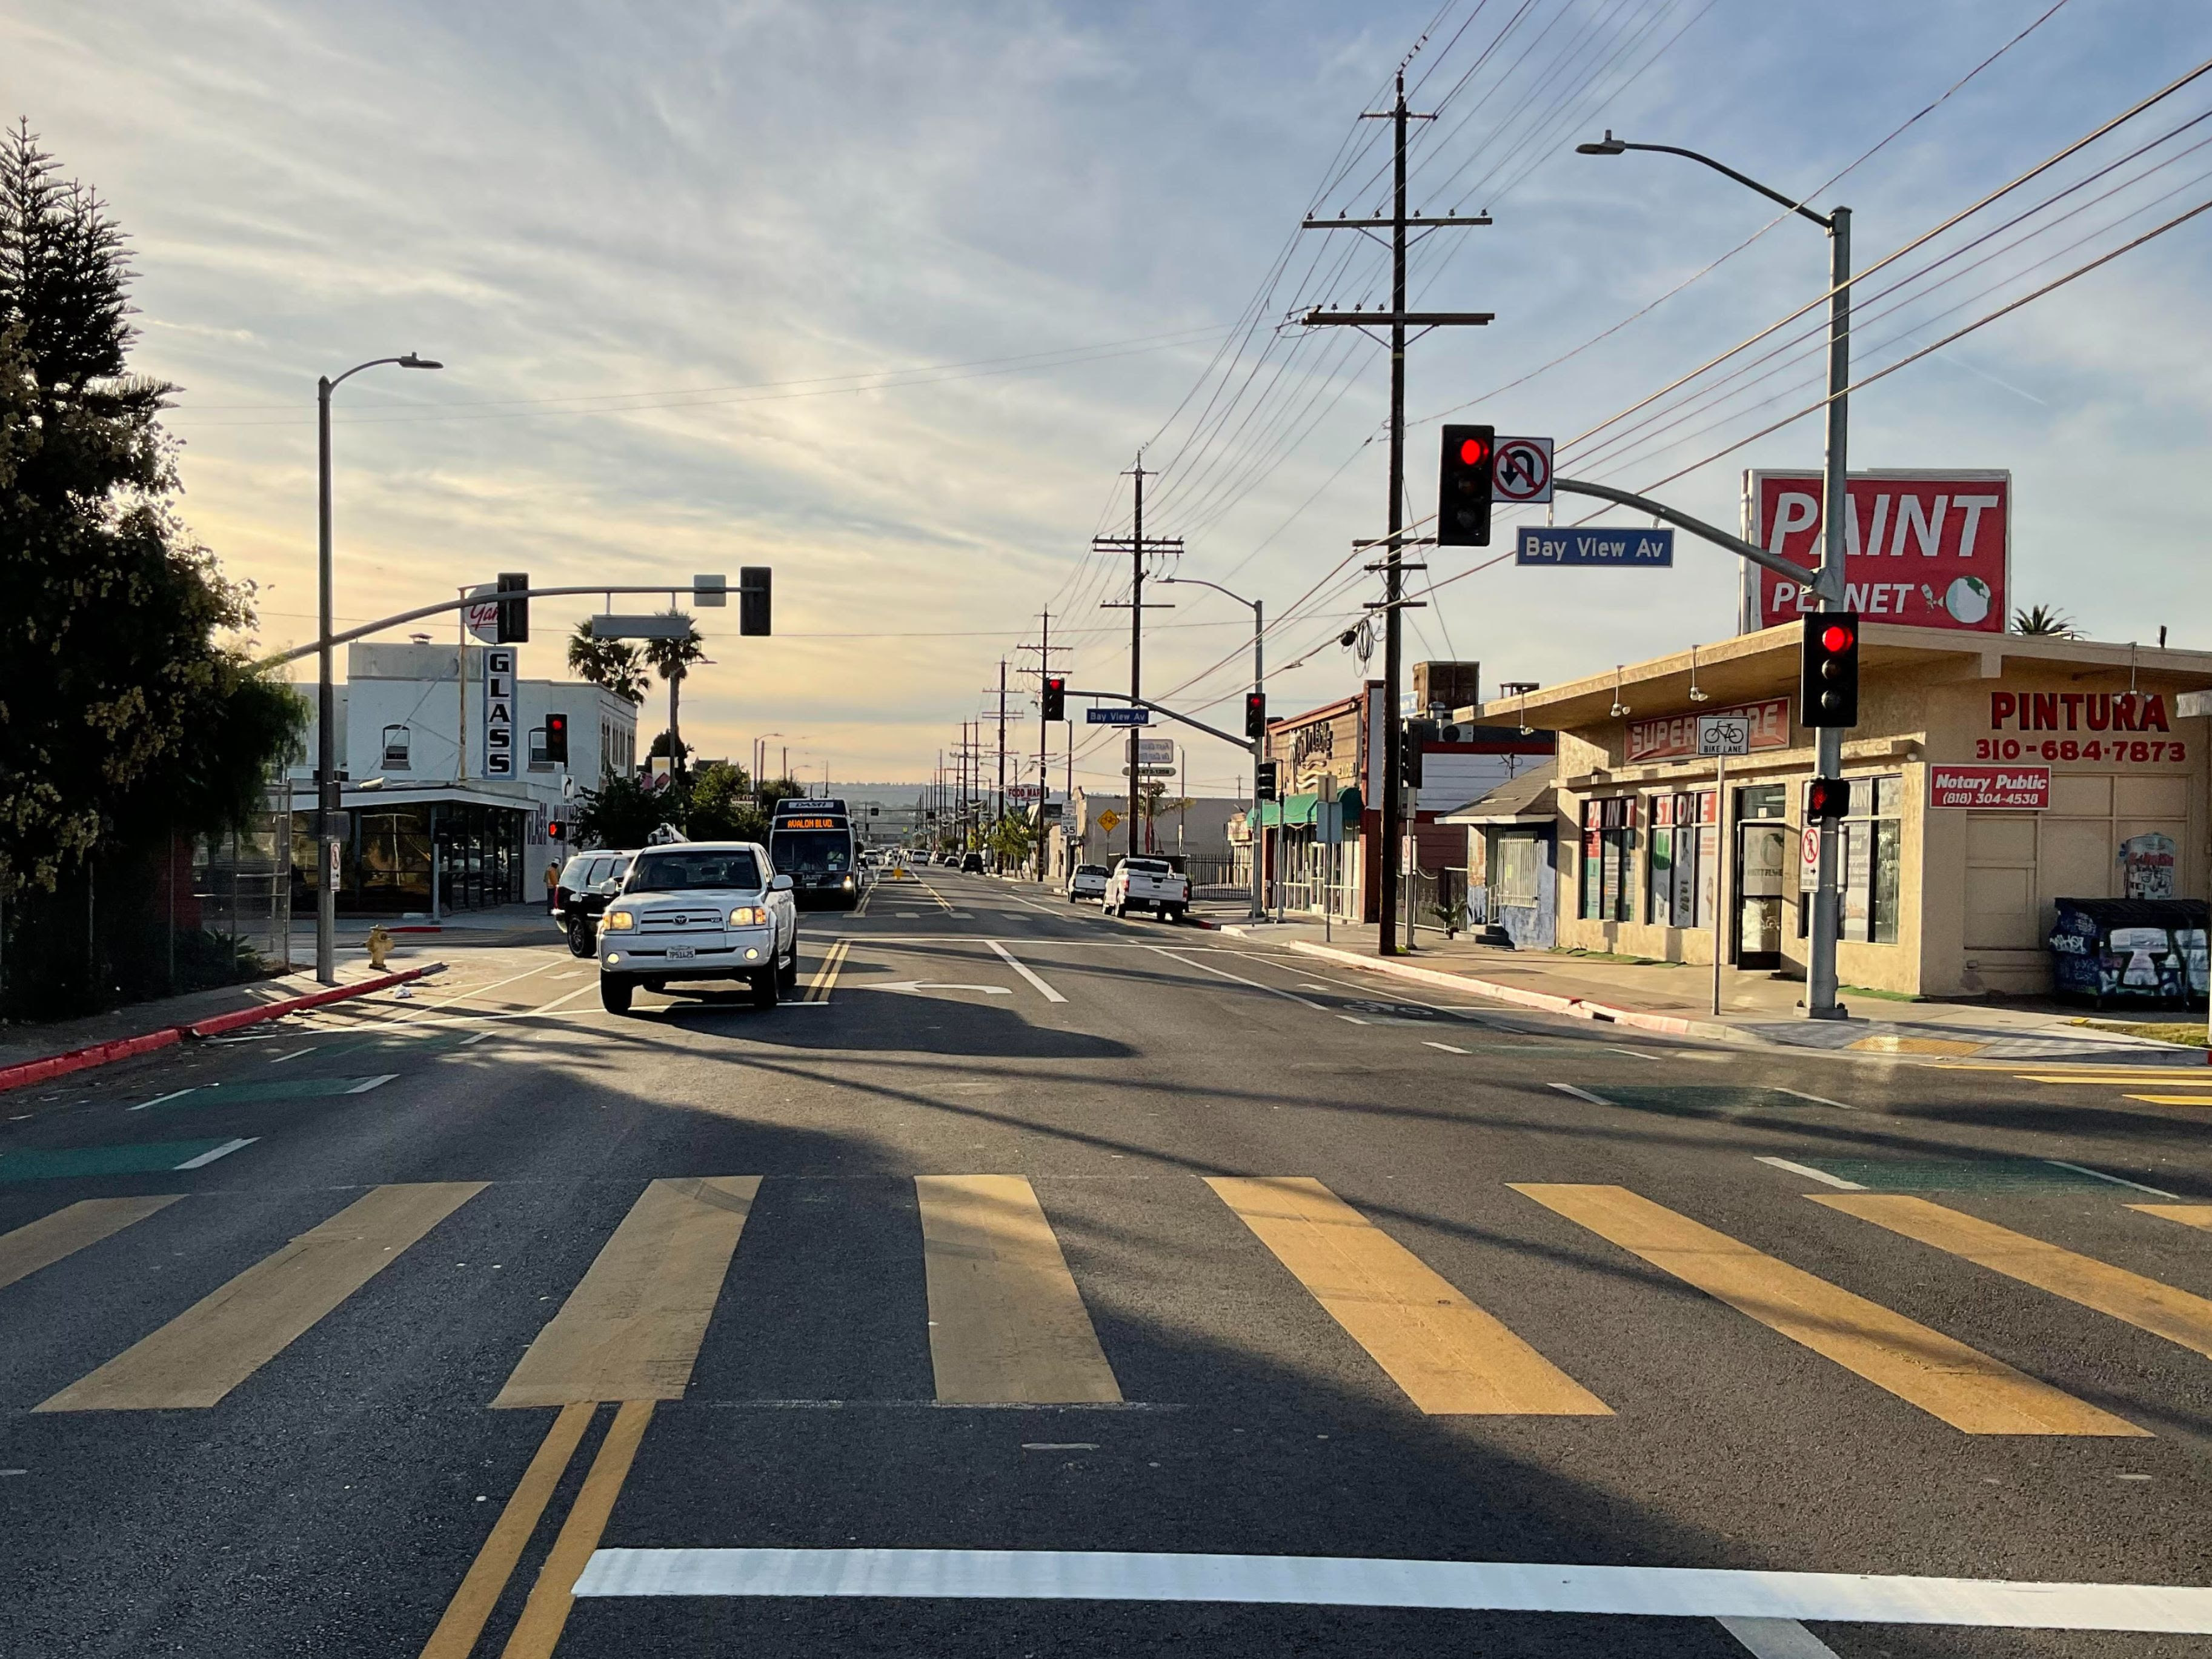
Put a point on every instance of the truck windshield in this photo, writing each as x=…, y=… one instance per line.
x=811, y=852
x=677, y=872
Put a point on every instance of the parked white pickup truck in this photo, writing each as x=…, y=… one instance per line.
x=1147, y=883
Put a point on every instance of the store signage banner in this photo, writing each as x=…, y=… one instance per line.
x=1156, y=751
x=1675, y=737
x=1990, y=788
x=499, y=712
x=1927, y=548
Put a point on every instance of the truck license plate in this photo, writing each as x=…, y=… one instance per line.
x=682, y=952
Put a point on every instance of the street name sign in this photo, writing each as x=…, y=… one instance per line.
x=1118, y=716
x=1593, y=546
x=1522, y=474
x=1156, y=751
x=1724, y=734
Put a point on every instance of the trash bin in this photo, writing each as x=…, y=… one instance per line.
x=2146, y=952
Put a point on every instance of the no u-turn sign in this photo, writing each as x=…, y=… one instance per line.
x=1522, y=475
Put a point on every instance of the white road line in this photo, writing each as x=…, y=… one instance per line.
x=223, y=1150
x=1633, y=1054
x=471, y=1041
x=1580, y=1094
x=1818, y=1100
x=368, y=1083
x=1324, y=1581
x=1006, y=955
x=1349, y=1019
x=173, y=1094
x=465, y=995
x=2083, y=1169
x=1777, y=1639
x=1812, y=1173
x=1446, y=1047
x=1207, y=966
x=278, y=1060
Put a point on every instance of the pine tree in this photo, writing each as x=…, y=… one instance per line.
x=121, y=719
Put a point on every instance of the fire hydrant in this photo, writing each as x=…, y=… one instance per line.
x=380, y=946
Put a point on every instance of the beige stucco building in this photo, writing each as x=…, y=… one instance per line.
x=1992, y=775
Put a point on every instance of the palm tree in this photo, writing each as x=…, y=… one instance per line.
x=672, y=659
x=609, y=664
x=2042, y=619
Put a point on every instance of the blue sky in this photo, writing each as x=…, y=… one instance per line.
x=669, y=255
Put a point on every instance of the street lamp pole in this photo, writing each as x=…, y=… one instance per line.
x=326, y=766
x=1820, y=983
x=1258, y=907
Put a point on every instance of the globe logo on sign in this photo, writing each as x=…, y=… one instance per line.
x=1967, y=599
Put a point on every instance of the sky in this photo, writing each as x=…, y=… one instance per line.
x=888, y=297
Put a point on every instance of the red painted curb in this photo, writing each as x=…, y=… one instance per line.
x=28, y=1072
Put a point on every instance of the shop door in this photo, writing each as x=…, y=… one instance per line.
x=1762, y=858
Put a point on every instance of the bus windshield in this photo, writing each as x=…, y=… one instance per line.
x=811, y=852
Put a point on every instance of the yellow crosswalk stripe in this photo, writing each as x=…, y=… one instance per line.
x=631, y=1328
x=1961, y=1385
x=1006, y=1324
x=214, y=1346
x=1448, y=1356
x=2188, y=1215
x=2172, y=1100
x=52, y=1237
x=2142, y=1075
x=2145, y=1304
x=826, y=972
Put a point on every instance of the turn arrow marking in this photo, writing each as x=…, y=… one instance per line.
x=925, y=984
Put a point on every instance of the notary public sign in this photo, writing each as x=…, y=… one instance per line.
x=1593, y=545
x=1929, y=548
x=1674, y=737
x=1990, y=788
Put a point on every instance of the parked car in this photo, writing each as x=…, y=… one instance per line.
x=702, y=910
x=1086, y=881
x=1148, y=884
x=586, y=883
x=972, y=863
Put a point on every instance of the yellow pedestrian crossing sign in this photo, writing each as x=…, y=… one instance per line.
x=1108, y=819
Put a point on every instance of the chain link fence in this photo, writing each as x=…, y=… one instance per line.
x=184, y=916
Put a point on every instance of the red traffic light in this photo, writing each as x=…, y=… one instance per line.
x=1473, y=451
x=1838, y=636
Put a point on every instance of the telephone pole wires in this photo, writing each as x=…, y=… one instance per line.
x=1393, y=566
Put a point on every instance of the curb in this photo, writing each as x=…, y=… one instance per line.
x=25, y=1072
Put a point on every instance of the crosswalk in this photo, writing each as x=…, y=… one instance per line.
x=1009, y=1322
x=2164, y=1085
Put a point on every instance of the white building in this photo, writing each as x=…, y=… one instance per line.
x=448, y=795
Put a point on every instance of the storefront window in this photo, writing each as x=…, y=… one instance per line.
x=1682, y=852
x=1513, y=878
x=1609, y=860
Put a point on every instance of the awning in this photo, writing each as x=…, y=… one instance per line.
x=1296, y=812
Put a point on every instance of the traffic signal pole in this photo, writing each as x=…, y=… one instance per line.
x=1820, y=977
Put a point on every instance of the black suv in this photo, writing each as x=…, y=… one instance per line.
x=587, y=882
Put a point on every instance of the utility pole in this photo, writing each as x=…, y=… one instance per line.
x=1136, y=546
x=1001, y=816
x=1393, y=566
x=1044, y=735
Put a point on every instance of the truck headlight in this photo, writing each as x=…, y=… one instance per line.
x=620, y=921
x=748, y=915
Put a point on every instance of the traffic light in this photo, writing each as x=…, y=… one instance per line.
x=556, y=831
x=1828, y=680
x=1055, y=696
x=1266, y=783
x=753, y=583
x=513, y=614
x=557, y=739
x=1463, y=491
x=1255, y=713
x=1827, y=798
x=1414, y=736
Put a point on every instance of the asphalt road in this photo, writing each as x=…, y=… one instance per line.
x=1027, y=1230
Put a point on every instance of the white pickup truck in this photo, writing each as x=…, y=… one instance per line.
x=699, y=910
x=1147, y=883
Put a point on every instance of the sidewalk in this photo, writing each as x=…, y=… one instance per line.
x=1756, y=1007
x=504, y=924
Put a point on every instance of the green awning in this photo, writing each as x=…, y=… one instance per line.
x=1297, y=810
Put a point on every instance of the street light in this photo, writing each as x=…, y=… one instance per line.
x=1821, y=968
x=326, y=779
x=1259, y=687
